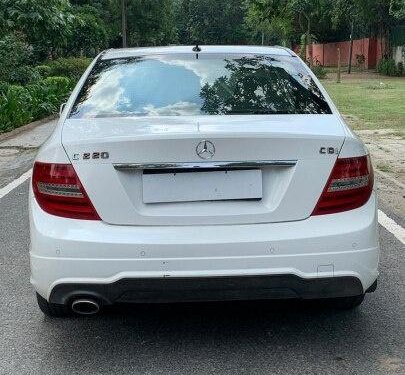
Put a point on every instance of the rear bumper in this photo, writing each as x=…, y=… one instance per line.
x=322, y=256
x=209, y=289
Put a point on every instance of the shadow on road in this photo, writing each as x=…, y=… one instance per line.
x=145, y=336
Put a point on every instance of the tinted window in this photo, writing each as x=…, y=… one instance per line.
x=176, y=85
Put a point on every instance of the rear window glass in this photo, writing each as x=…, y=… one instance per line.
x=180, y=85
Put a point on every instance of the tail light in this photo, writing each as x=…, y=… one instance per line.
x=349, y=186
x=59, y=192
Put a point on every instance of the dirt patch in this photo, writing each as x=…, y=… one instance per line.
x=387, y=148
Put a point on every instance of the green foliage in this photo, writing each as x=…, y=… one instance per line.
x=20, y=105
x=386, y=66
x=268, y=19
x=15, y=55
x=14, y=105
x=212, y=22
x=58, y=87
x=71, y=67
x=60, y=28
x=47, y=95
x=326, y=20
x=303, y=47
x=23, y=75
x=313, y=18
x=400, y=69
x=45, y=24
x=44, y=71
x=89, y=32
x=397, y=9
x=374, y=16
x=319, y=70
x=3, y=87
x=151, y=22
x=285, y=21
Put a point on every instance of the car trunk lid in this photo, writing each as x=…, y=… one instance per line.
x=148, y=171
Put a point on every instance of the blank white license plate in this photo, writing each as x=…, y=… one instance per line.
x=202, y=186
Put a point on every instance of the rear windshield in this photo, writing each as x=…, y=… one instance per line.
x=181, y=85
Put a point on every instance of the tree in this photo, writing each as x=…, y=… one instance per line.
x=309, y=12
x=106, y=16
x=369, y=17
x=151, y=22
x=270, y=20
x=397, y=9
x=15, y=54
x=89, y=33
x=45, y=24
x=181, y=10
x=376, y=16
x=212, y=21
x=291, y=21
x=345, y=13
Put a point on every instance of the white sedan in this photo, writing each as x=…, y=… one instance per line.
x=201, y=173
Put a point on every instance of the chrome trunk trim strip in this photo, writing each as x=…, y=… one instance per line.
x=207, y=165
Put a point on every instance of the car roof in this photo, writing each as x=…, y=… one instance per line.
x=130, y=52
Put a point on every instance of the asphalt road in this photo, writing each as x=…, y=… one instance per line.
x=232, y=338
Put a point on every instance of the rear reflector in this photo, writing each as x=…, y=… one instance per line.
x=349, y=186
x=59, y=192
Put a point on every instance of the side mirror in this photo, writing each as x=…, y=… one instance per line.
x=61, y=108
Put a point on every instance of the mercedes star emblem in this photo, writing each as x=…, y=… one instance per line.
x=205, y=149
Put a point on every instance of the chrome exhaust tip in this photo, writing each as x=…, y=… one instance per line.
x=84, y=306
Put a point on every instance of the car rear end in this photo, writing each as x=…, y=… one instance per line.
x=222, y=175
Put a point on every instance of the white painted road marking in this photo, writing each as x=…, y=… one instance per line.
x=383, y=219
x=391, y=226
x=13, y=184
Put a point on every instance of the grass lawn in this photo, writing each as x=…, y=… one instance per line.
x=369, y=101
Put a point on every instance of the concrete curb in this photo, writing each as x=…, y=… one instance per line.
x=25, y=128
